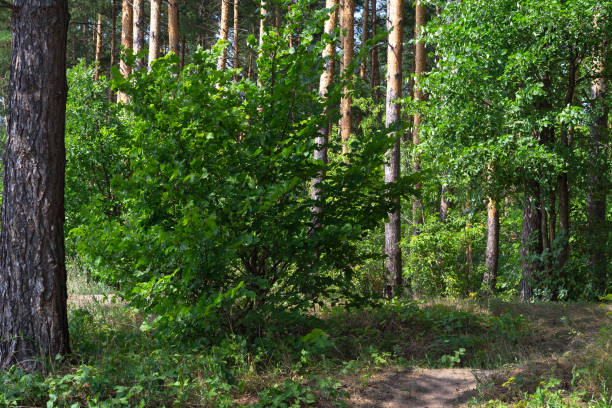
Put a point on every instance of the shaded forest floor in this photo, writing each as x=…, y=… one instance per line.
x=401, y=354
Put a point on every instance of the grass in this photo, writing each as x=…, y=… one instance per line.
x=119, y=361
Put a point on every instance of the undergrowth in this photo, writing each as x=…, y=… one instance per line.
x=119, y=360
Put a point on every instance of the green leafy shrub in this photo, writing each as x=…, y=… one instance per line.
x=213, y=223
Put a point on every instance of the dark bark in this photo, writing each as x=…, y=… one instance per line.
x=393, y=263
x=444, y=203
x=33, y=318
x=113, y=50
x=531, y=247
x=597, y=255
x=420, y=65
x=489, y=279
x=375, y=68
x=562, y=180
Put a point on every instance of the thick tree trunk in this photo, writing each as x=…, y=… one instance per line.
x=348, y=27
x=98, y=32
x=139, y=29
x=420, y=58
x=127, y=26
x=173, y=27
x=327, y=77
x=531, y=247
x=155, y=30
x=489, y=279
x=224, y=32
x=597, y=256
x=236, y=37
x=375, y=69
x=393, y=264
x=33, y=316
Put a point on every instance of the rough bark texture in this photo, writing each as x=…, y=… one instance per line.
x=236, y=37
x=420, y=60
x=224, y=32
x=597, y=256
x=393, y=264
x=139, y=29
x=98, y=33
x=492, y=253
x=155, y=30
x=33, y=317
x=127, y=39
x=531, y=245
x=348, y=27
x=327, y=77
x=173, y=27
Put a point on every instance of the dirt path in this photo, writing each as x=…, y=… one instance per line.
x=423, y=388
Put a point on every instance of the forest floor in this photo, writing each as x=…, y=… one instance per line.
x=442, y=353
x=563, y=337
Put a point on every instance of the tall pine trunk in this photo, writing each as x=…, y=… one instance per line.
x=33, y=295
x=173, y=27
x=393, y=264
x=420, y=58
x=113, y=50
x=531, y=245
x=155, y=30
x=597, y=256
x=348, y=27
x=98, y=33
x=223, y=32
x=236, y=37
x=375, y=70
x=489, y=279
x=139, y=29
x=327, y=77
x=127, y=40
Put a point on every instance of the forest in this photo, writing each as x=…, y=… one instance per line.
x=306, y=203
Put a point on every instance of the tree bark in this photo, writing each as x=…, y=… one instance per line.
x=155, y=31
x=262, y=31
x=236, y=38
x=597, y=256
x=393, y=264
x=113, y=50
x=33, y=316
x=375, y=70
x=444, y=204
x=223, y=33
x=139, y=30
x=127, y=26
x=98, y=46
x=420, y=59
x=489, y=279
x=365, y=35
x=531, y=246
x=173, y=27
x=327, y=77
x=348, y=27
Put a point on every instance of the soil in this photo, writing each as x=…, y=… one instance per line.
x=423, y=388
